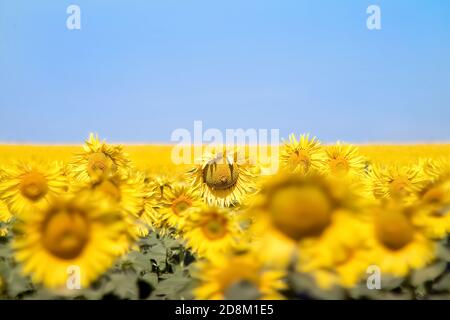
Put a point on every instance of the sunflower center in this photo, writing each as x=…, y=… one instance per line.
x=299, y=158
x=33, y=186
x=110, y=189
x=215, y=228
x=394, y=230
x=98, y=164
x=434, y=195
x=399, y=186
x=66, y=233
x=339, y=165
x=220, y=176
x=180, y=204
x=300, y=211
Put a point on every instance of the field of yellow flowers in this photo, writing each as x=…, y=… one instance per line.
x=103, y=221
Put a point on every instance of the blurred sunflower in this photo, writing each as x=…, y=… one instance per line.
x=224, y=178
x=344, y=262
x=298, y=210
x=29, y=185
x=4, y=232
x=79, y=231
x=176, y=202
x=127, y=193
x=5, y=214
x=209, y=231
x=219, y=277
x=436, y=169
x=342, y=159
x=397, y=182
x=396, y=245
x=433, y=213
x=302, y=155
x=98, y=161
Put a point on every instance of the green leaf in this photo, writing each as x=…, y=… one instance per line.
x=428, y=273
x=150, y=278
x=443, y=284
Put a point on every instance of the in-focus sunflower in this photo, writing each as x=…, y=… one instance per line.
x=219, y=277
x=397, y=182
x=223, y=178
x=98, y=161
x=69, y=232
x=176, y=202
x=396, y=245
x=342, y=159
x=303, y=155
x=159, y=184
x=209, y=231
x=145, y=220
x=30, y=185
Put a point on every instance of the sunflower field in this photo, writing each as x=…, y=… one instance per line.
x=336, y=221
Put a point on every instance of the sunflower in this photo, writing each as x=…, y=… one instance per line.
x=224, y=178
x=76, y=232
x=396, y=245
x=342, y=159
x=298, y=211
x=4, y=232
x=98, y=161
x=5, y=214
x=397, y=182
x=159, y=184
x=30, y=185
x=303, y=155
x=344, y=261
x=436, y=169
x=128, y=193
x=148, y=217
x=209, y=231
x=175, y=203
x=219, y=276
x=433, y=214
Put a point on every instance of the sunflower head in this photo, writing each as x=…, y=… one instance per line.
x=211, y=230
x=81, y=231
x=99, y=161
x=397, y=182
x=342, y=159
x=301, y=155
x=223, y=178
x=301, y=206
x=219, y=277
x=30, y=184
x=176, y=203
x=397, y=245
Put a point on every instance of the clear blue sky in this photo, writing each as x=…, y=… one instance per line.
x=137, y=70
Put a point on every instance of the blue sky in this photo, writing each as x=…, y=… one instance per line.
x=137, y=70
